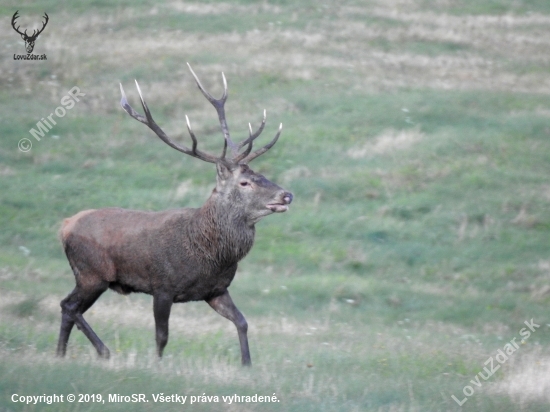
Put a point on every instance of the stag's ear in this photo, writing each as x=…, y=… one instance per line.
x=224, y=170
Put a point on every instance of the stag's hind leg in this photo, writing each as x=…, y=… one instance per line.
x=72, y=308
x=224, y=305
x=93, y=270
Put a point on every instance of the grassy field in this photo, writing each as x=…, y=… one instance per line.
x=416, y=142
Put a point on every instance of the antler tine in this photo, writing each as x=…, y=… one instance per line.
x=220, y=109
x=264, y=149
x=193, y=138
x=242, y=155
x=211, y=99
x=249, y=141
x=253, y=136
x=43, y=24
x=148, y=120
x=13, y=19
x=129, y=109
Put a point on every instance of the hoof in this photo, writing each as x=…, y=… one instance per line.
x=104, y=353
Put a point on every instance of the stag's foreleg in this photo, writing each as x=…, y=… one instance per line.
x=72, y=308
x=224, y=305
x=162, y=304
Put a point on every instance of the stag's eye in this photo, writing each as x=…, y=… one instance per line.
x=244, y=183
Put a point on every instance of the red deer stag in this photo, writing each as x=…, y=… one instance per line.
x=178, y=255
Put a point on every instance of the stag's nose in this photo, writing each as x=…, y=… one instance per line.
x=287, y=198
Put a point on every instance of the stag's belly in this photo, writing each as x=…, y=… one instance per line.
x=205, y=286
x=182, y=278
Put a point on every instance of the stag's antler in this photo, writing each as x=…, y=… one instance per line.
x=148, y=120
x=35, y=32
x=244, y=157
x=15, y=16
x=219, y=104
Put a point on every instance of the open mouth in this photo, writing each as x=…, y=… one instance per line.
x=277, y=207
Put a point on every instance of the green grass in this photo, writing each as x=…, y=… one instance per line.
x=415, y=248
x=491, y=7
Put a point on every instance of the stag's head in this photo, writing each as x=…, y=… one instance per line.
x=248, y=192
x=29, y=40
x=238, y=187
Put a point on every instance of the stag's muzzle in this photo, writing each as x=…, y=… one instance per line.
x=286, y=199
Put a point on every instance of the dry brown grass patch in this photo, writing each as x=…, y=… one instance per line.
x=527, y=379
x=389, y=141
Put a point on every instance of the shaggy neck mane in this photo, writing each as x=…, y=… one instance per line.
x=219, y=233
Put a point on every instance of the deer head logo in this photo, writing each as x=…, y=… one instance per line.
x=29, y=40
